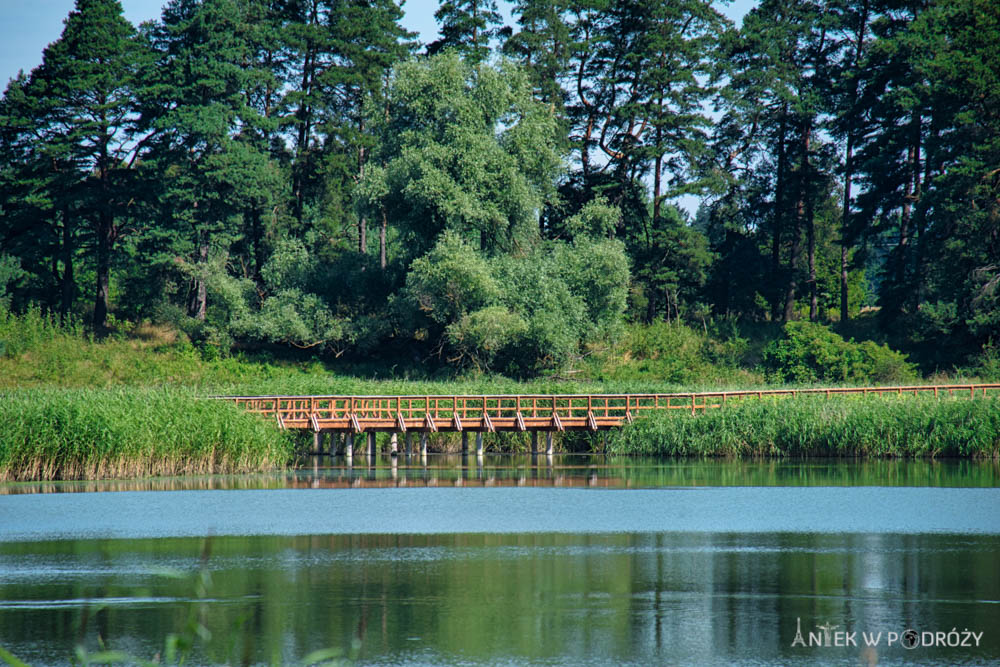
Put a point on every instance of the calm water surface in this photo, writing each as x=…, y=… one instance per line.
x=513, y=561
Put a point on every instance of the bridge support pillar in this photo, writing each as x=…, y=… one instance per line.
x=423, y=444
x=349, y=445
x=548, y=443
x=394, y=444
x=534, y=442
x=409, y=443
x=479, y=443
x=317, y=443
x=371, y=444
x=465, y=442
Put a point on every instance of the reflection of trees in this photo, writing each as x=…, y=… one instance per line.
x=666, y=597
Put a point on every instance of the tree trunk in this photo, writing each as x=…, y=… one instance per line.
x=904, y=224
x=303, y=116
x=811, y=236
x=658, y=167
x=257, y=240
x=67, y=281
x=779, y=208
x=859, y=47
x=362, y=221
x=791, y=290
x=381, y=241
x=199, y=295
x=800, y=217
x=845, y=224
x=105, y=230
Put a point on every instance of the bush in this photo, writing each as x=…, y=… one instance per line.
x=487, y=335
x=809, y=352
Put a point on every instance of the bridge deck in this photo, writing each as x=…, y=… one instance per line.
x=530, y=412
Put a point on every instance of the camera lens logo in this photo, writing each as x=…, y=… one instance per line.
x=910, y=639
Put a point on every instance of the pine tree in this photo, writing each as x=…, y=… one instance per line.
x=196, y=103
x=86, y=107
x=366, y=40
x=467, y=26
x=543, y=46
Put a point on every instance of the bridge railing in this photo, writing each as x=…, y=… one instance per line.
x=534, y=411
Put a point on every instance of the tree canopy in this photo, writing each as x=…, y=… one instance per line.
x=302, y=174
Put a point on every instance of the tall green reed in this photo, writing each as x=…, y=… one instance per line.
x=817, y=426
x=130, y=432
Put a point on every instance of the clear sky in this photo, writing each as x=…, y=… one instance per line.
x=28, y=26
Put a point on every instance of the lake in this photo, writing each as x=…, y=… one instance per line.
x=512, y=560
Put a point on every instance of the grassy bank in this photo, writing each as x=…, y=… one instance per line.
x=816, y=426
x=101, y=433
x=126, y=405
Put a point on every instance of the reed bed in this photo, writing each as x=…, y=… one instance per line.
x=63, y=434
x=852, y=426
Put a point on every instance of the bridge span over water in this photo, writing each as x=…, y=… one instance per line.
x=353, y=416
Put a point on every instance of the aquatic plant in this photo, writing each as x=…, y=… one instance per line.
x=817, y=426
x=133, y=432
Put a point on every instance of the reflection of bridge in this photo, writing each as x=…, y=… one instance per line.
x=534, y=413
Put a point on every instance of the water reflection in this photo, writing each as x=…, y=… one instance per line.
x=368, y=471
x=639, y=598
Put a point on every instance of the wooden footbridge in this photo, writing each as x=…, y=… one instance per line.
x=534, y=413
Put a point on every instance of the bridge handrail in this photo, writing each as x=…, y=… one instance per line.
x=535, y=411
x=727, y=392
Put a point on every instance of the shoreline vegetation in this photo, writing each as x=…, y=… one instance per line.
x=259, y=212
x=811, y=426
x=48, y=434
x=131, y=405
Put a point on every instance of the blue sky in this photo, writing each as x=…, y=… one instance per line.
x=28, y=26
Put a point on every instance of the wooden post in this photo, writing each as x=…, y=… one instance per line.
x=479, y=443
x=349, y=445
x=394, y=444
x=534, y=442
x=465, y=442
x=423, y=444
x=409, y=443
x=317, y=443
x=371, y=444
x=548, y=443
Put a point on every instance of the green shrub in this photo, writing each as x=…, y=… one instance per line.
x=487, y=335
x=809, y=352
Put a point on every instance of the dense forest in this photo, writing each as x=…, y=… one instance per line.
x=303, y=173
